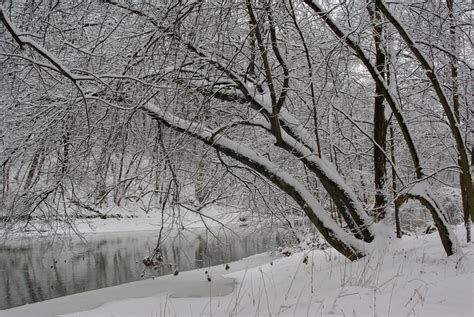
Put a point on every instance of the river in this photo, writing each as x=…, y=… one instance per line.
x=33, y=270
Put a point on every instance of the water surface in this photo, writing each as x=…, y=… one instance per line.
x=32, y=270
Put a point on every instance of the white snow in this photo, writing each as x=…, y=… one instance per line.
x=408, y=277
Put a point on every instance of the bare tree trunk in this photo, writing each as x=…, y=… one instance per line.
x=455, y=101
x=398, y=227
x=380, y=124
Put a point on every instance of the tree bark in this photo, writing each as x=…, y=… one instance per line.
x=380, y=123
x=455, y=101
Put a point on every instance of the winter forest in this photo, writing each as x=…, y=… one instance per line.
x=333, y=138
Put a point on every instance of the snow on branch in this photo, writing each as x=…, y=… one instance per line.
x=353, y=213
x=344, y=241
x=259, y=102
x=24, y=40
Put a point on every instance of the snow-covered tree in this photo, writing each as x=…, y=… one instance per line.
x=106, y=99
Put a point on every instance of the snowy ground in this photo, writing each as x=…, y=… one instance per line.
x=410, y=277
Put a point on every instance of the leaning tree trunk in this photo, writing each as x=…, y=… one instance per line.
x=341, y=240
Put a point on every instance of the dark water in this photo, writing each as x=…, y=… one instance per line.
x=32, y=271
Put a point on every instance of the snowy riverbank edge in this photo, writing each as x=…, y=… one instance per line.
x=129, y=220
x=410, y=277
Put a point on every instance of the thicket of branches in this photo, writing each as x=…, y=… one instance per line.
x=337, y=110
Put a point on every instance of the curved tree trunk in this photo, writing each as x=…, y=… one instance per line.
x=419, y=193
x=341, y=240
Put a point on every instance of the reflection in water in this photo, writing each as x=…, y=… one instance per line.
x=35, y=271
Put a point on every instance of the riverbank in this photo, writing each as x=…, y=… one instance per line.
x=131, y=220
x=411, y=276
x=123, y=219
